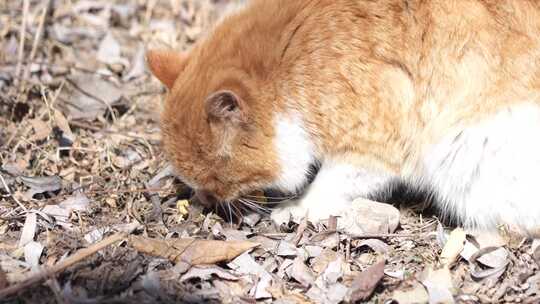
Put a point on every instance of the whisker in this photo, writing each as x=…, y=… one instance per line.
x=255, y=207
x=230, y=213
x=237, y=212
x=272, y=197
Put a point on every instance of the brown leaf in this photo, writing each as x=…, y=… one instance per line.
x=192, y=251
x=453, y=247
x=364, y=284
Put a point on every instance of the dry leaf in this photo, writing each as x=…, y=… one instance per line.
x=41, y=130
x=416, y=295
x=301, y=273
x=453, y=247
x=367, y=216
x=364, y=284
x=63, y=124
x=29, y=229
x=109, y=51
x=192, y=251
x=41, y=184
x=439, y=285
x=375, y=245
x=138, y=65
x=88, y=96
x=206, y=273
x=32, y=253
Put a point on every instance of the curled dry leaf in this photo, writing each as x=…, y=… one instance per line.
x=496, y=259
x=41, y=184
x=453, y=247
x=364, y=284
x=439, y=285
x=192, y=251
x=367, y=216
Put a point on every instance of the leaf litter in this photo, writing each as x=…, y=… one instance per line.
x=81, y=159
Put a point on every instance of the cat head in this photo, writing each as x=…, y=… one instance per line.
x=214, y=129
x=223, y=122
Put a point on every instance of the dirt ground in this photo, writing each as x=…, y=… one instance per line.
x=81, y=160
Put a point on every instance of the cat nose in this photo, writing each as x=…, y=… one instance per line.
x=206, y=198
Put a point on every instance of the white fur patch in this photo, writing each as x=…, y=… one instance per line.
x=336, y=186
x=489, y=174
x=295, y=150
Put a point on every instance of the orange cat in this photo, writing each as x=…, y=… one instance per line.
x=442, y=95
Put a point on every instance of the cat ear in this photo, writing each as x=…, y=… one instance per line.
x=166, y=65
x=226, y=106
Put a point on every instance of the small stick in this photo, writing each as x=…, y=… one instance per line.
x=35, y=45
x=62, y=265
x=10, y=193
x=384, y=235
x=22, y=37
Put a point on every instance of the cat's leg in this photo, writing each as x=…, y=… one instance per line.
x=488, y=174
x=334, y=188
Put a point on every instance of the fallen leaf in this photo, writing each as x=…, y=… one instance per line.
x=192, y=251
x=301, y=273
x=261, y=288
x=398, y=274
x=88, y=96
x=333, y=294
x=63, y=124
x=375, y=245
x=367, y=216
x=453, y=247
x=41, y=184
x=333, y=272
x=206, y=273
x=109, y=51
x=286, y=249
x=416, y=295
x=439, y=285
x=41, y=129
x=251, y=219
x=321, y=261
x=182, y=207
x=364, y=284
x=495, y=258
x=32, y=253
x=138, y=65
x=78, y=202
x=164, y=173
x=246, y=265
x=29, y=229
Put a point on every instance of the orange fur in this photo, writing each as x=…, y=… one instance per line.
x=375, y=82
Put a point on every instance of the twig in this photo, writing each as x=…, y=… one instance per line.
x=35, y=44
x=385, y=235
x=11, y=194
x=22, y=37
x=62, y=265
